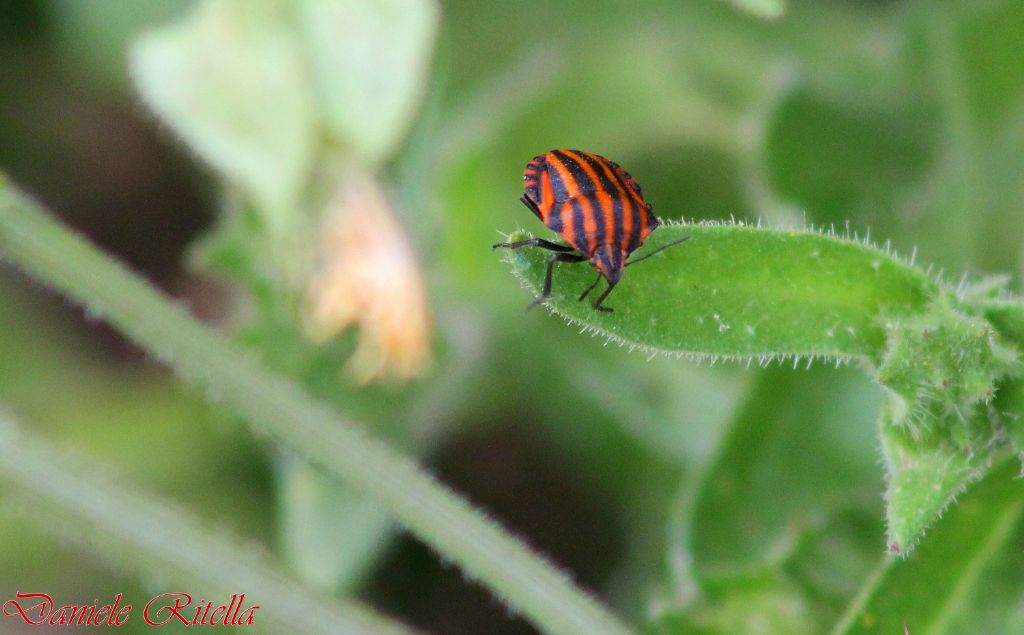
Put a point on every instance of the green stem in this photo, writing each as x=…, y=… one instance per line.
x=983, y=554
x=855, y=610
x=942, y=576
x=280, y=409
x=161, y=537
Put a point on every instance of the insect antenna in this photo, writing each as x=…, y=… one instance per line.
x=658, y=250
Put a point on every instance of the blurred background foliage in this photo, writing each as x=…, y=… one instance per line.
x=692, y=498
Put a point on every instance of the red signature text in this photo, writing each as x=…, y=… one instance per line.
x=178, y=608
x=38, y=608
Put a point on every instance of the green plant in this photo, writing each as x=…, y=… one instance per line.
x=796, y=296
x=357, y=141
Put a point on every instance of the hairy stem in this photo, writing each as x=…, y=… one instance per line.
x=160, y=538
x=280, y=409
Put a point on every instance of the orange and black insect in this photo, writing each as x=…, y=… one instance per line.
x=596, y=207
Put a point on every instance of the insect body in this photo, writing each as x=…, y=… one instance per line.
x=596, y=207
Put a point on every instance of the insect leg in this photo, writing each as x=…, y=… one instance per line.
x=535, y=242
x=591, y=287
x=597, y=304
x=552, y=259
x=533, y=206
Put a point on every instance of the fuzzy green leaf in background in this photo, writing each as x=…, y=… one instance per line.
x=785, y=463
x=275, y=96
x=960, y=578
x=767, y=9
x=231, y=81
x=369, y=62
x=767, y=548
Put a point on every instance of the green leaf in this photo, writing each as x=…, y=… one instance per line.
x=329, y=533
x=783, y=512
x=738, y=291
x=1007, y=316
x=231, y=81
x=746, y=292
x=370, y=64
x=769, y=608
x=941, y=588
x=1011, y=400
x=942, y=364
x=786, y=464
x=938, y=429
x=923, y=480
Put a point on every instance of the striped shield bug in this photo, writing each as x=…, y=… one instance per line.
x=596, y=207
